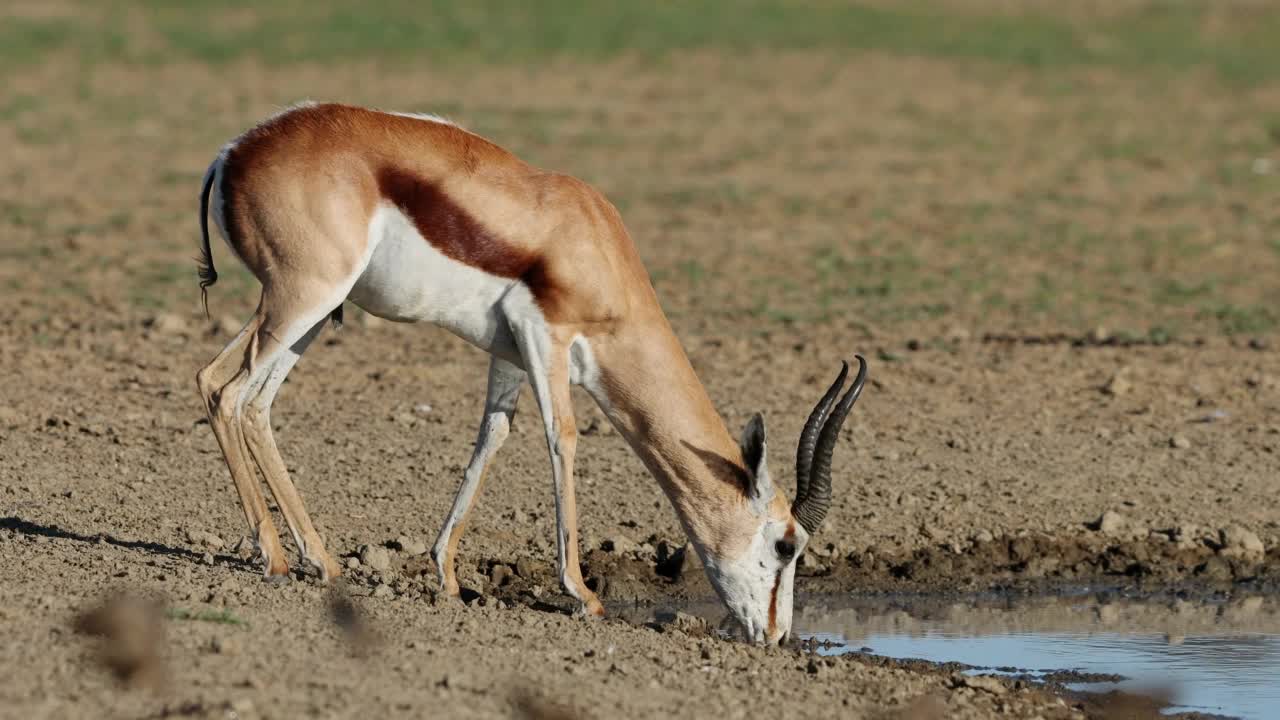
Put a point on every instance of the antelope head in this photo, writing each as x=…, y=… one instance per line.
x=756, y=578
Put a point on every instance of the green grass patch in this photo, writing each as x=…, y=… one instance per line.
x=222, y=617
x=1243, y=320
x=1240, y=46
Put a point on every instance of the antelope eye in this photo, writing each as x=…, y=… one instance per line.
x=785, y=549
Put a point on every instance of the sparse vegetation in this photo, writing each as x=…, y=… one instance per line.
x=221, y=616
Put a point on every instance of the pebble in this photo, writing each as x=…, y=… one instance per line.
x=1118, y=385
x=983, y=536
x=1111, y=523
x=207, y=558
x=422, y=409
x=620, y=544
x=689, y=623
x=1237, y=540
x=985, y=683
x=411, y=547
x=227, y=326
x=353, y=563
x=209, y=540
x=524, y=568
x=384, y=591
x=375, y=557
x=225, y=645
x=245, y=548
x=500, y=575
x=167, y=324
x=1180, y=442
x=1188, y=536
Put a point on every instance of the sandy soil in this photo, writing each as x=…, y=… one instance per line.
x=987, y=451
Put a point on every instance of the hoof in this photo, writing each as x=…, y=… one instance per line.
x=326, y=569
x=592, y=610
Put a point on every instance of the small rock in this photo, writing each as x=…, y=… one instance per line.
x=207, y=558
x=422, y=409
x=384, y=591
x=1118, y=385
x=1180, y=442
x=227, y=326
x=353, y=563
x=524, y=568
x=167, y=324
x=1240, y=541
x=225, y=645
x=809, y=561
x=985, y=683
x=1187, y=536
x=620, y=544
x=375, y=557
x=1111, y=523
x=415, y=548
x=983, y=536
x=209, y=540
x=245, y=549
x=690, y=624
x=500, y=575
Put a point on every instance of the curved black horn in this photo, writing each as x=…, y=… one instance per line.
x=813, y=509
x=809, y=436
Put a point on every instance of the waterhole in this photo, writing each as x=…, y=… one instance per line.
x=1218, y=656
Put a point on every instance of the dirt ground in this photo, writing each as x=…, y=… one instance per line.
x=1073, y=358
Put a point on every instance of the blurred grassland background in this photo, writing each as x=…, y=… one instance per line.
x=907, y=166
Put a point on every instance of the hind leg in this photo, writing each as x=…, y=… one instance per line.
x=214, y=381
x=256, y=425
x=505, y=380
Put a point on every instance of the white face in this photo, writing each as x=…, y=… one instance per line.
x=757, y=585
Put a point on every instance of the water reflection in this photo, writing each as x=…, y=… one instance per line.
x=1220, y=656
x=1216, y=657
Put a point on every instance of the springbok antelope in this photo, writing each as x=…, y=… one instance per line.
x=414, y=219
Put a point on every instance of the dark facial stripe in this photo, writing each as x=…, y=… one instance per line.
x=773, y=605
x=777, y=583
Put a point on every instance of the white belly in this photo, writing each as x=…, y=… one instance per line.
x=408, y=280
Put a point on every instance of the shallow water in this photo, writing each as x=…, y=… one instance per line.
x=1217, y=657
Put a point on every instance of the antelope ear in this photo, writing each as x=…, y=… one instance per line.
x=755, y=454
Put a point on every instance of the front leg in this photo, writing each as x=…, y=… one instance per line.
x=505, y=380
x=546, y=362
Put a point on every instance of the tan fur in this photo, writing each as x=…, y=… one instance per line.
x=299, y=192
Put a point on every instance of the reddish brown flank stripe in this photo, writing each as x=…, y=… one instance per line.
x=461, y=236
x=449, y=227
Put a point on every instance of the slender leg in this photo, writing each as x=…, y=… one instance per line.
x=215, y=382
x=546, y=361
x=256, y=425
x=505, y=380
